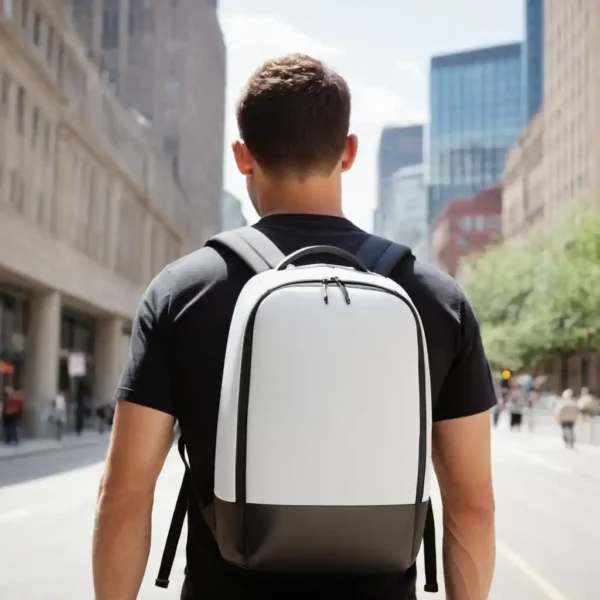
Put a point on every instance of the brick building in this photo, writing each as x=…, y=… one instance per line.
x=465, y=227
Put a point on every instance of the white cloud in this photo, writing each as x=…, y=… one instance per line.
x=376, y=105
x=262, y=33
x=411, y=69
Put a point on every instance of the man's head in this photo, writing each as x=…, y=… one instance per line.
x=293, y=117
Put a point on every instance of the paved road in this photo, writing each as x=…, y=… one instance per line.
x=548, y=514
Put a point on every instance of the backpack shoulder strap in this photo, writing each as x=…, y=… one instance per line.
x=252, y=246
x=381, y=256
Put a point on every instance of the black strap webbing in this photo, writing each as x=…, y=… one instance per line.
x=429, y=552
x=181, y=507
x=252, y=246
x=381, y=256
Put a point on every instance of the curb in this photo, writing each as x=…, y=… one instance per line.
x=50, y=449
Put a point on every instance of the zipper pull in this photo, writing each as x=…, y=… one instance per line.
x=343, y=289
x=325, y=294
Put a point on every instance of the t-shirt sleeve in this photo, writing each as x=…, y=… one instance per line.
x=146, y=378
x=468, y=388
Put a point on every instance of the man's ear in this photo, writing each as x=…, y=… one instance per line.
x=243, y=158
x=350, y=151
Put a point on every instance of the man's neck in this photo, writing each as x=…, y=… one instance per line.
x=304, y=199
x=305, y=210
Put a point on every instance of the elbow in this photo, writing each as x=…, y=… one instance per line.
x=114, y=498
x=476, y=506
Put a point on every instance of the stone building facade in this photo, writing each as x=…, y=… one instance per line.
x=89, y=213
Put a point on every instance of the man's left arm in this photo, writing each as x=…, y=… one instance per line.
x=141, y=438
x=140, y=442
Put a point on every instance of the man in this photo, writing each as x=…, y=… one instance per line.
x=293, y=118
x=566, y=413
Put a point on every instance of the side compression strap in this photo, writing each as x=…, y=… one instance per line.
x=252, y=246
x=181, y=506
x=429, y=552
x=381, y=256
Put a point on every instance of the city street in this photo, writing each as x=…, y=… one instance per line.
x=547, y=513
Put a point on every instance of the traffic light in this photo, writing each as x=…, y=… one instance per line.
x=506, y=375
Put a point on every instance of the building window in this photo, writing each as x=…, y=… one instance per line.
x=37, y=29
x=50, y=45
x=21, y=109
x=5, y=90
x=12, y=188
x=35, y=126
x=24, y=13
x=41, y=217
x=110, y=28
x=8, y=8
x=20, y=204
x=466, y=223
x=46, y=139
x=61, y=60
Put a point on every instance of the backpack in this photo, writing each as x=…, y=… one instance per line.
x=322, y=460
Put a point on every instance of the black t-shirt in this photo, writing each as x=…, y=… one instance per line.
x=175, y=365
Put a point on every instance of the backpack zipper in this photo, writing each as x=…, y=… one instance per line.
x=343, y=289
x=325, y=294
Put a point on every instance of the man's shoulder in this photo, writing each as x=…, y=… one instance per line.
x=429, y=287
x=198, y=269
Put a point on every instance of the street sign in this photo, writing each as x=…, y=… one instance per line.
x=76, y=364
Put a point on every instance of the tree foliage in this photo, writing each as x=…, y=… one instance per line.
x=541, y=298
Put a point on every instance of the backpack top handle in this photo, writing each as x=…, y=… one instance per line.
x=310, y=250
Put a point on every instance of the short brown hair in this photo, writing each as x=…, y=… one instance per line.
x=294, y=115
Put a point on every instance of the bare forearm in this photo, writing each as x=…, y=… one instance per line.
x=121, y=547
x=469, y=554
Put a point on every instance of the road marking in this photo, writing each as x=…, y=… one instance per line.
x=538, y=580
x=13, y=515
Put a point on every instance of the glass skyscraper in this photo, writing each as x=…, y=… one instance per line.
x=398, y=147
x=476, y=108
x=533, y=57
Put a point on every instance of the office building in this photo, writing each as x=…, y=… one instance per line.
x=554, y=164
x=398, y=147
x=167, y=59
x=89, y=213
x=406, y=222
x=523, y=199
x=466, y=227
x=476, y=109
x=232, y=215
x=533, y=57
x=571, y=105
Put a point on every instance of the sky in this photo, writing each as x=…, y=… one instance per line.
x=381, y=47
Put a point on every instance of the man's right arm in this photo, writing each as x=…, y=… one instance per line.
x=461, y=451
x=461, y=456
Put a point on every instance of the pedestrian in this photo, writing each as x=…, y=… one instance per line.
x=516, y=408
x=12, y=412
x=304, y=395
x=58, y=414
x=566, y=413
x=101, y=418
x=588, y=404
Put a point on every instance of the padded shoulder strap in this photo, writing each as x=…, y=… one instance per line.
x=381, y=256
x=252, y=246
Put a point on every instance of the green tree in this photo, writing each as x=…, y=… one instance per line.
x=540, y=299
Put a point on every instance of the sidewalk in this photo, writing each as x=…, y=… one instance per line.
x=30, y=447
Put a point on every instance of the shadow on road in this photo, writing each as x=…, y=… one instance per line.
x=26, y=468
